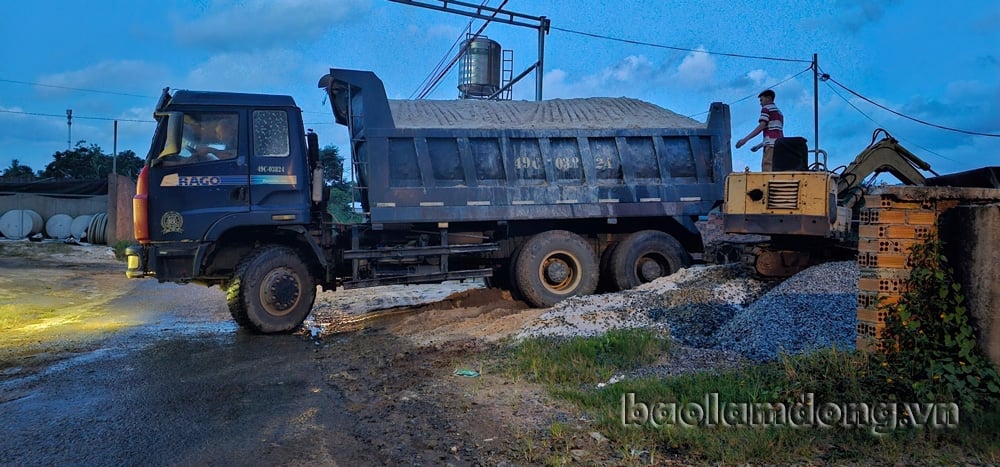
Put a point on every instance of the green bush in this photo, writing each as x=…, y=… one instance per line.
x=932, y=353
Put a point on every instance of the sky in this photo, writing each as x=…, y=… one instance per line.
x=109, y=60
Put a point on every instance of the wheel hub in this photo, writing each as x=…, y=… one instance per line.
x=557, y=272
x=649, y=270
x=279, y=292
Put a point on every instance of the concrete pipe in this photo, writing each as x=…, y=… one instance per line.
x=79, y=225
x=59, y=226
x=20, y=223
x=97, y=231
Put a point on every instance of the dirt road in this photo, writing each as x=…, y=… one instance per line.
x=98, y=369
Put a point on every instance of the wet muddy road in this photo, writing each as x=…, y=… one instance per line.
x=137, y=372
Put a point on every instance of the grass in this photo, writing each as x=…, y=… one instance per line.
x=570, y=369
x=587, y=360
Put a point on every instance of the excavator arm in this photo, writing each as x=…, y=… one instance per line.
x=885, y=155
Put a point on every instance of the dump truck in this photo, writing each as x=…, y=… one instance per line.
x=809, y=213
x=546, y=199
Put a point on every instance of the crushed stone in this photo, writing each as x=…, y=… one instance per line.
x=722, y=311
x=555, y=114
x=813, y=309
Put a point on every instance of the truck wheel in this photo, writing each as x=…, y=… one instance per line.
x=555, y=265
x=646, y=256
x=271, y=291
x=504, y=277
x=606, y=282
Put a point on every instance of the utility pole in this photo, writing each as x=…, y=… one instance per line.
x=114, y=151
x=69, y=129
x=815, y=67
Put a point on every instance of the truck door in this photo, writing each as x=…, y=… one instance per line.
x=278, y=166
x=205, y=183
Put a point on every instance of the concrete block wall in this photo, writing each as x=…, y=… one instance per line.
x=121, y=189
x=895, y=219
x=888, y=228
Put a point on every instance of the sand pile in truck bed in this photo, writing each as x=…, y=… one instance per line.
x=555, y=114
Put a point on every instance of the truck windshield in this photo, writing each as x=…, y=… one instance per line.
x=199, y=137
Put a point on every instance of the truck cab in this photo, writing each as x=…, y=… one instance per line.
x=224, y=171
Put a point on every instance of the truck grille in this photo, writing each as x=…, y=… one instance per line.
x=783, y=194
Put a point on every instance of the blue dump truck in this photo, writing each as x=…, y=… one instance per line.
x=547, y=199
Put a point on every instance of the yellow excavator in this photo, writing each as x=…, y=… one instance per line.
x=809, y=212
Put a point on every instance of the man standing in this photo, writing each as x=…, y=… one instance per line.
x=771, y=122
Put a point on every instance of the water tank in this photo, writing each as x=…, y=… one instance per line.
x=479, y=69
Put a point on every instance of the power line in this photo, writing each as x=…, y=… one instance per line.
x=877, y=124
x=923, y=122
x=681, y=49
x=74, y=89
x=779, y=83
x=76, y=116
x=39, y=114
x=433, y=85
x=441, y=62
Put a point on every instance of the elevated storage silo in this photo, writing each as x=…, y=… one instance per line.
x=479, y=68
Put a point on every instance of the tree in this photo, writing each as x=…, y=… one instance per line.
x=81, y=163
x=17, y=170
x=90, y=163
x=129, y=164
x=341, y=204
x=333, y=166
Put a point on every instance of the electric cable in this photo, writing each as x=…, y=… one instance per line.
x=923, y=122
x=681, y=49
x=73, y=89
x=879, y=125
x=459, y=55
x=437, y=68
x=81, y=117
x=775, y=85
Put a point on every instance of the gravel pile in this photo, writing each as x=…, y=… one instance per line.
x=723, y=309
x=660, y=303
x=595, y=112
x=813, y=309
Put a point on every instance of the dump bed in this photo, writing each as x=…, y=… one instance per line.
x=477, y=160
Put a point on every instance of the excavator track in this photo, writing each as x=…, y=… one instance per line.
x=766, y=261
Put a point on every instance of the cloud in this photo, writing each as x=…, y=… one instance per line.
x=248, y=25
x=697, y=70
x=635, y=75
x=117, y=76
x=627, y=76
x=988, y=61
x=247, y=71
x=854, y=15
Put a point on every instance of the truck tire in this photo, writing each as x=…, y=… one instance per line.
x=555, y=265
x=504, y=278
x=645, y=256
x=606, y=281
x=271, y=290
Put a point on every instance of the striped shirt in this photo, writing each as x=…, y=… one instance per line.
x=770, y=115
